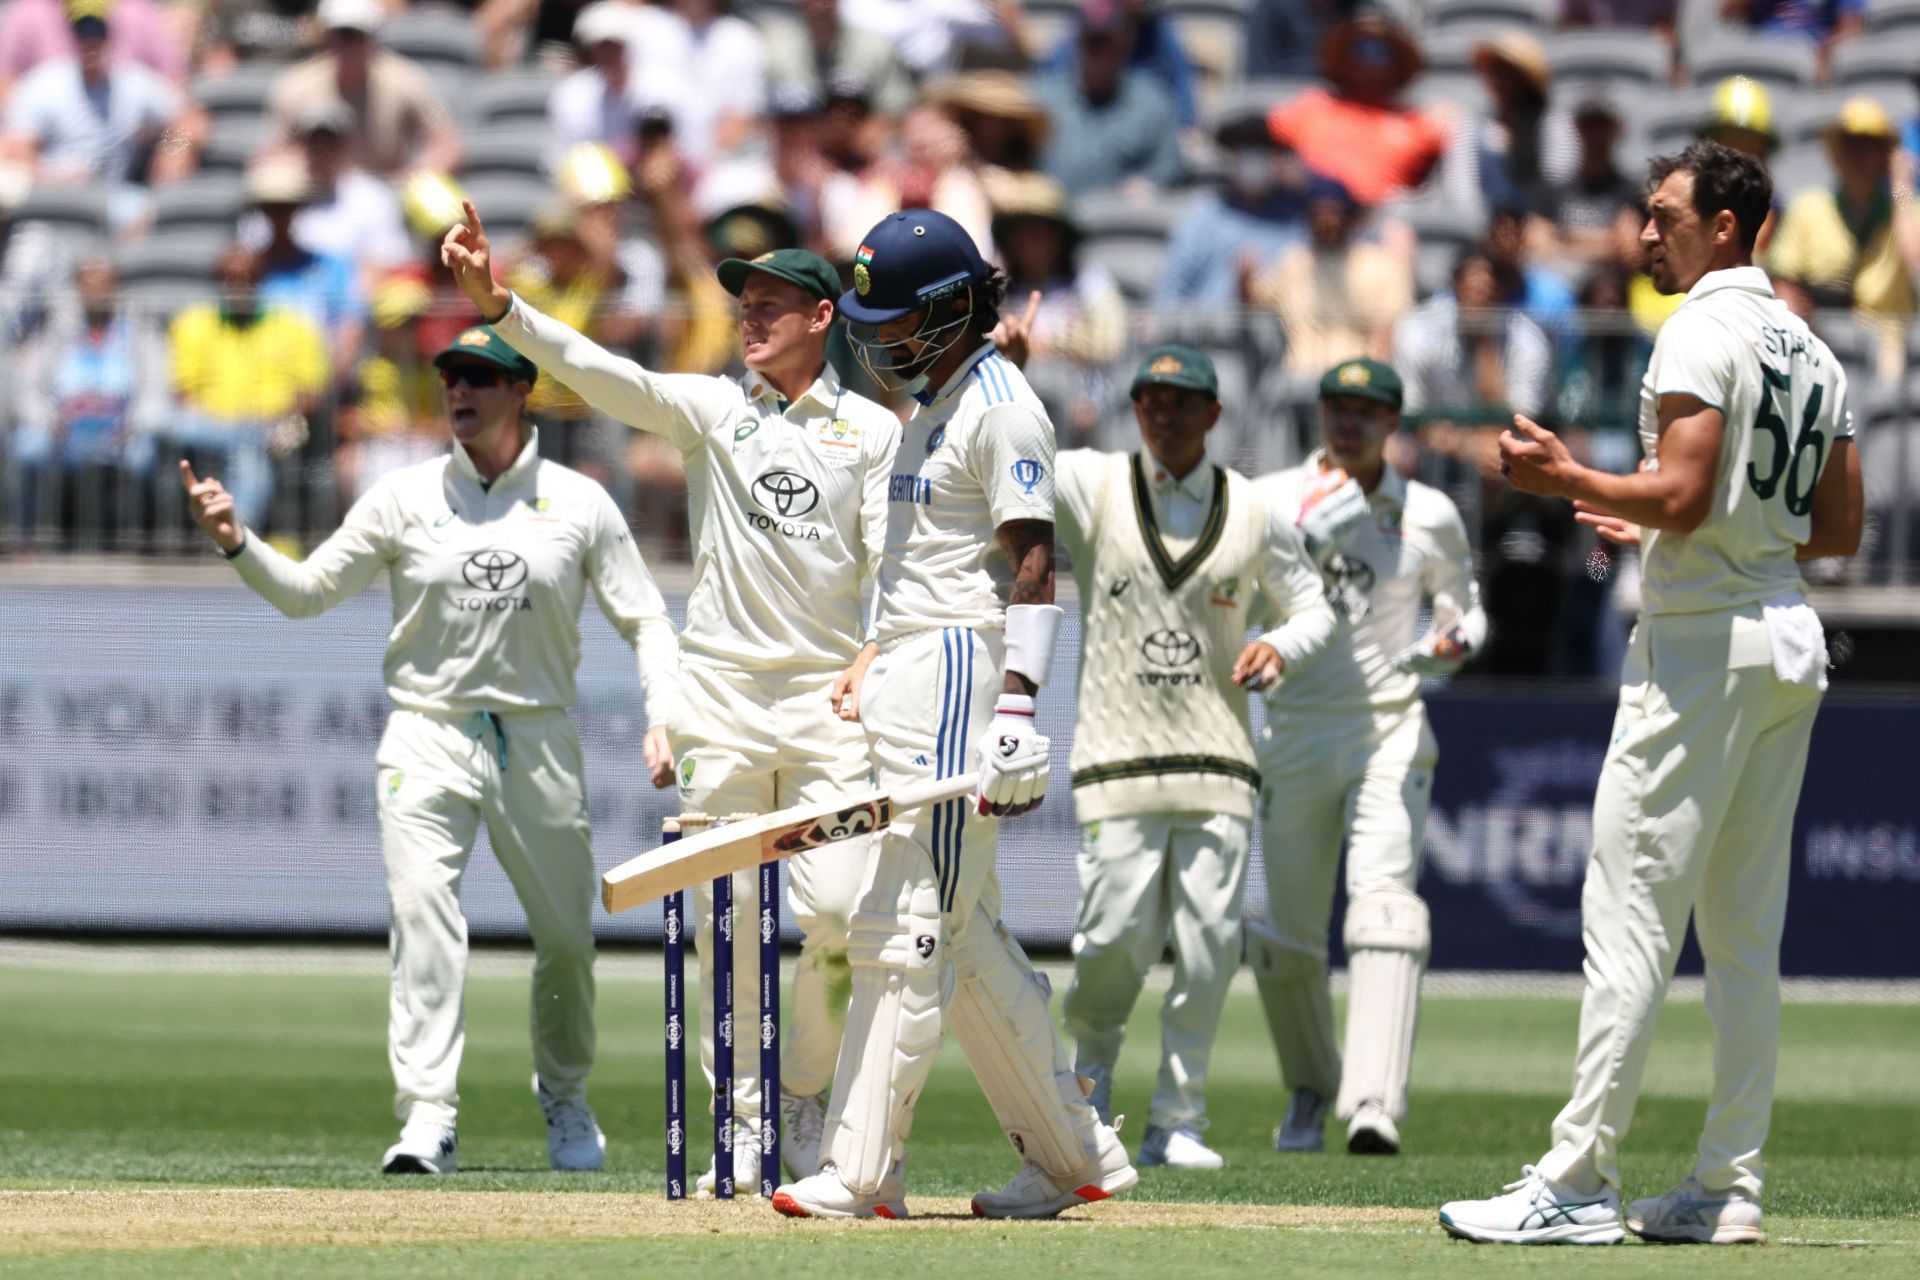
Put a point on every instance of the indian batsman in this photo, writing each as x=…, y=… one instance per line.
x=488, y=553
x=1750, y=466
x=787, y=493
x=1171, y=556
x=1347, y=757
x=966, y=625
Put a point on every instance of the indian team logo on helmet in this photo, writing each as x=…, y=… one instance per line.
x=1354, y=375
x=862, y=281
x=1165, y=365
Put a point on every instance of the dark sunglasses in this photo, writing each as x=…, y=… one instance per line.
x=474, y=376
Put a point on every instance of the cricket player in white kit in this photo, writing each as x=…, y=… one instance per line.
x=1347, y=756
x=966, y=627
x=1171, y=556
x=488, y=553
x=1750, y=466
x=787, y=492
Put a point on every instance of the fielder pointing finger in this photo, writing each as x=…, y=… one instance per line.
x=1346, y=756
x=786, y=481
x=488, y=554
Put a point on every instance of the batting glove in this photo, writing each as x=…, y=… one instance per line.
x=1013, y=760
x=1436, y=656
x=1334, y=509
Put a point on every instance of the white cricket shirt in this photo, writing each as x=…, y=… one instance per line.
x=487, y=583
x=1414, y=549
x=1783, y=396
x=786, y=501
x=976, y=454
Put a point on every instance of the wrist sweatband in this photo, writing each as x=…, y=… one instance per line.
x=1031, y=631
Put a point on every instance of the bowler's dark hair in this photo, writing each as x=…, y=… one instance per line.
x=1722, y=179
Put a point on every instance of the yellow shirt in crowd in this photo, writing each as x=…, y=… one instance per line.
x=253, y=371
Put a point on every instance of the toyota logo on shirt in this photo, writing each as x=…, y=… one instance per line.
x=786, y=494
x=1169, y=648
x=494, y=571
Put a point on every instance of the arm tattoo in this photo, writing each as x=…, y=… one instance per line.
x=1028, y=546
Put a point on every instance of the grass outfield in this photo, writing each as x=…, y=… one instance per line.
x=167, y=1121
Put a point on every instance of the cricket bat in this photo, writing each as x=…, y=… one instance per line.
x=736, y=846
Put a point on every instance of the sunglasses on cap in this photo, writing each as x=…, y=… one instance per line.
x=479, y=377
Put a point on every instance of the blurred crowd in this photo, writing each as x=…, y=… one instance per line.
x=219, y=218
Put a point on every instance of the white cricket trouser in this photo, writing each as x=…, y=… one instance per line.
x=1694, y=812
x=745, y=743
x=927, y=947
x=1364, y=778
x=1140, y=875
x=438, y=777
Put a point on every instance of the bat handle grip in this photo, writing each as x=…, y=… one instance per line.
x=934, y=790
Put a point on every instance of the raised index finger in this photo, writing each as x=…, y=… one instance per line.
x=187, y=478
x=473, y=218
x=1033, y=309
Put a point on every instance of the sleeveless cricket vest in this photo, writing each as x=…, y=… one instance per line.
x=1162, y=727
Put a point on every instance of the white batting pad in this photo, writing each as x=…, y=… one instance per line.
x=901, y=980
x=1002, y=1020
x=1387, y=940
x=1292, y=983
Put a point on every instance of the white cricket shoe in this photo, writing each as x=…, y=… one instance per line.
x=425, y=1146
x=746, y=1166
x=1536, y=1211
x=1690, y=1214
x=1305, y=1125
x=1035, y=1193
x=1179, y=1148
x=803, y=1122
x=574, y=1141
x=826, y=1195
x=1372, y=1132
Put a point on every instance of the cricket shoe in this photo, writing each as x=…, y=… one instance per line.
x=1690, y=1214
x=1305, y=1126
x=803, y=1122
x=1372, y=1132
x=1535, y=1210
x=425, y=1146
x=746, y=1166
x=1178, y=1148
x=1035, y=1193
x=826, y=1195
x=574, y=1141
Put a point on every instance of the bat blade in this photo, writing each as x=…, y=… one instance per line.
x=738, y=846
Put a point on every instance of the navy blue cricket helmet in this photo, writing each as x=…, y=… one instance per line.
x=910, y=259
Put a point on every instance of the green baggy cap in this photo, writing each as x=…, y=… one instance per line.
x=481, y=343
x=1372, y=379
x=1173, y=365
x=796, y=266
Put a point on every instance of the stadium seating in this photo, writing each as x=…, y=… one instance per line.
x=513, y=148
x=1615, y=55
x=240, y=92
x=161, y=274
x=77, y=214
x=508, y=98
x=1443, y=15
x=206, y=201
x=431, y=34
x=1878, y=62
x=1884, y=16
x=1775, y=63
